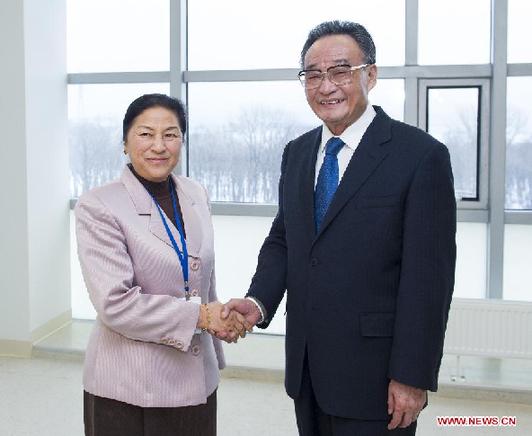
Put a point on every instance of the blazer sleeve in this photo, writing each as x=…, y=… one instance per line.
x=214, y=297
x=427, y=273
x=269, y=281
x=109, y=275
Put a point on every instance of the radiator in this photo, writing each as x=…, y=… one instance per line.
x=489, y=328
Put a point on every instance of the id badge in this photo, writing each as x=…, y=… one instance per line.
x=196, y=300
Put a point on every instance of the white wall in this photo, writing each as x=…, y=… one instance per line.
x=47, y=159
x=517, y=262
x=34, y=181
x=237, y=241
x=14, y=316
x=471, y=260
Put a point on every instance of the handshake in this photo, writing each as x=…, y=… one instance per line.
x=229, y=321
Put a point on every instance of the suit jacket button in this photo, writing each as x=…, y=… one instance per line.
x=314, y=261
x=179, y=345
x=171, y=342
x=194, y=293
x=195, y=350
x=195, y=264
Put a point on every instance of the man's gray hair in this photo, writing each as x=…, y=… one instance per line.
x=356, y=31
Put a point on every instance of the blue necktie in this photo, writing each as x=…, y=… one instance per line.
x=327, y=180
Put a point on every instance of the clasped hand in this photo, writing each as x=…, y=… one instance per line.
x=229, y=327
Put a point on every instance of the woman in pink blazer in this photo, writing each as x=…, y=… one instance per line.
x=145, y=244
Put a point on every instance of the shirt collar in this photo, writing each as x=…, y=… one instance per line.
x=353, y=134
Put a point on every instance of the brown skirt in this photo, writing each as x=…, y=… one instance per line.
x=106, y=417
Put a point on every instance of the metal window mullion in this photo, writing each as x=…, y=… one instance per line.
x=178, y=47
x=385, y=72
x=522, y=217
x=519, y=70
x=178, y=63
x=411, y=59
x=411, y=32
x=497, y=173
x=118, y=77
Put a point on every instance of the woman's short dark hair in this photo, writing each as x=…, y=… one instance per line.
x=356, y=31
x=148, y=101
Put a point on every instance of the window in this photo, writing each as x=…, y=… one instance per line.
x=238, y=131
x=519, y=144
x=243, y=34
x=107, y=35
x=471, y=257
x=454, y=115
x=95, y=114
x=236, y=142
x=519, y=31
x=517, y=271
x=454, y=32
x=244, y=103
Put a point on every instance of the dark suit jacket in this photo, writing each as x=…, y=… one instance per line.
x=368, y=296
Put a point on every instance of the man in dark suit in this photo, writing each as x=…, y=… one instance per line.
x=364, y=245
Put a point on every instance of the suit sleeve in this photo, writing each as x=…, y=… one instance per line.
x=427, y=273
x=269, y=281
x=109, y=275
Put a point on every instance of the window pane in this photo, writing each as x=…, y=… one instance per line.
x=471, y=251
x=454, y=32
x=236, y=142
x=390, y=95
x=241, y=254
x=517, y=272
x=519, y=144
x=246, y=34
x=95, y=114
x=452, y=118
x=238, y=131
x=110, y=35
x=519, y=31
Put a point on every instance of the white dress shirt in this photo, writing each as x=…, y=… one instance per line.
x=351, y=137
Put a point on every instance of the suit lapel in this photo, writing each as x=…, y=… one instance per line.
x=190, y=214
x=145, y=205
x=367, y=157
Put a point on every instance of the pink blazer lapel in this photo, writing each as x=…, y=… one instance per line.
x=145, y=205
x=190, y=216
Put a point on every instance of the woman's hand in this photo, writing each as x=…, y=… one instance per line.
x=232, y=327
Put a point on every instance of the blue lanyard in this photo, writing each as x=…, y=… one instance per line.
x=183, y=256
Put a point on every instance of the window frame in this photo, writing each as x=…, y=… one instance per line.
x=481, y=202
x=493, y=166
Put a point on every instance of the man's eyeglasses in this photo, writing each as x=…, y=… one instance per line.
x=340, y=75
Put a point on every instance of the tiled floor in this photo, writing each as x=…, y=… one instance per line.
x=260, y=355
x=42, y=396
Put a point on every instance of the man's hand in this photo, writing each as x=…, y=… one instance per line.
x=404, y=403
x=245, y=308
x=231, y=327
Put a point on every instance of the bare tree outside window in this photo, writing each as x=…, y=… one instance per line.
x=453, y=114
x=240, y=161
x=518, y=161
x=95, y=154
x=519, y=144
